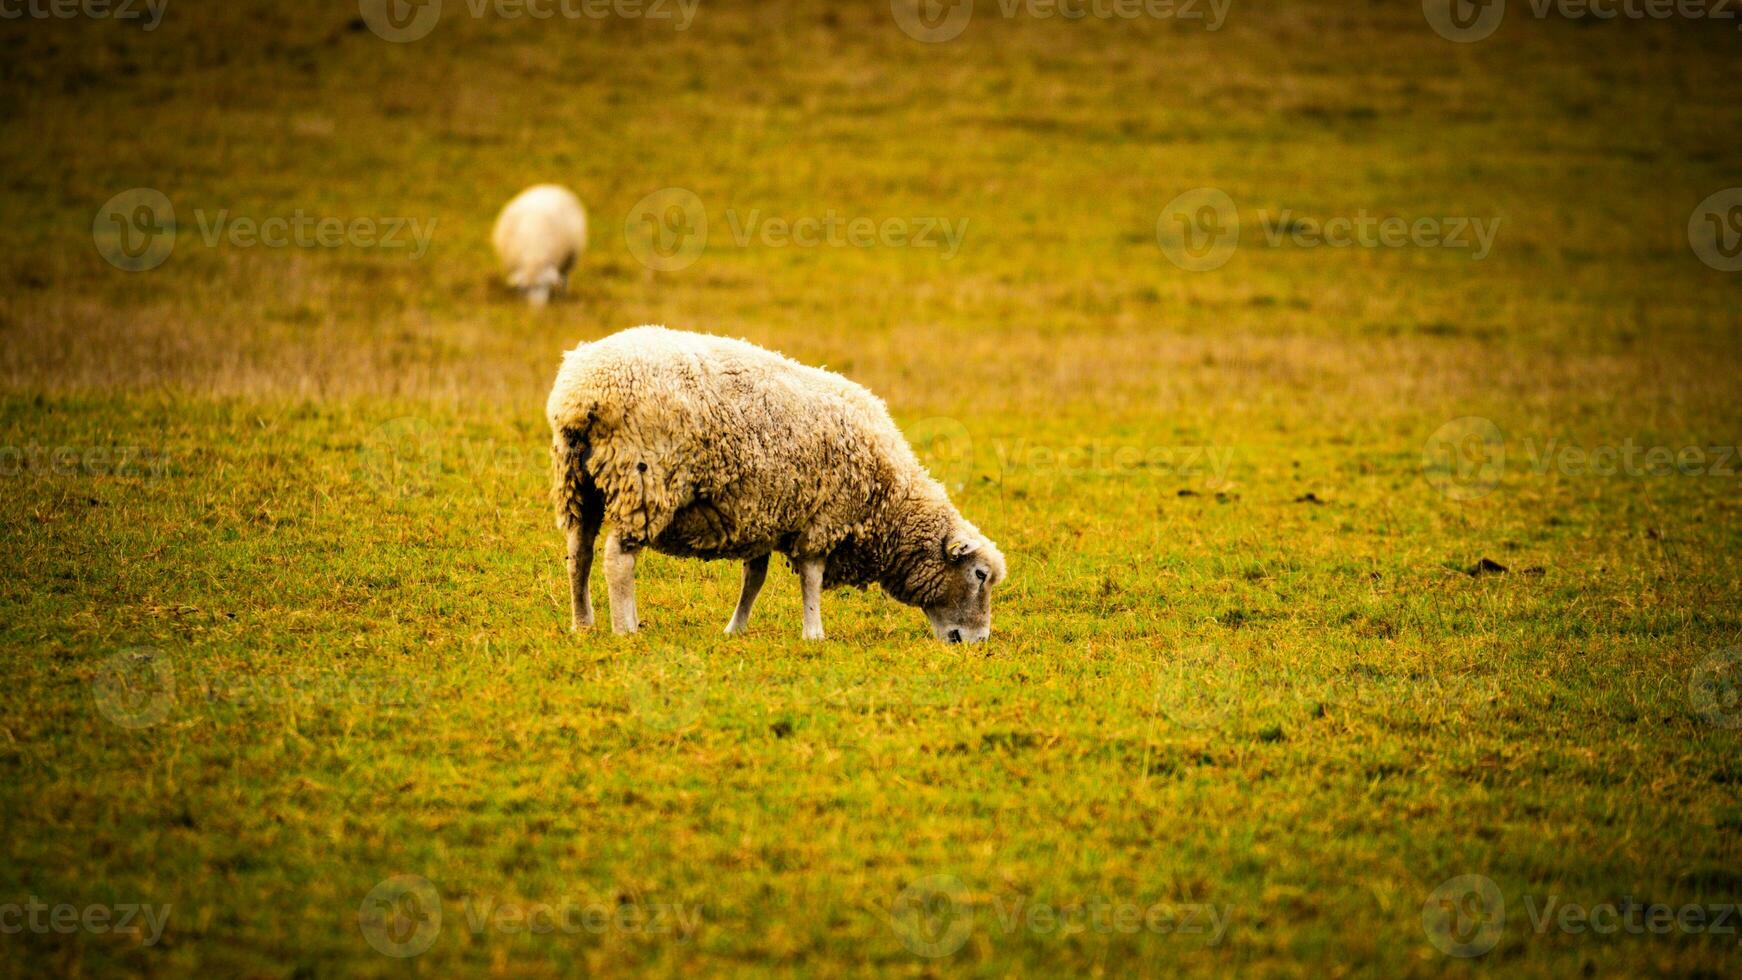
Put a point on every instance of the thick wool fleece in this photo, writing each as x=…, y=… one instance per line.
x=539, y=235
x=706, y=447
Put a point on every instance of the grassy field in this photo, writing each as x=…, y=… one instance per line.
x=1373, y=610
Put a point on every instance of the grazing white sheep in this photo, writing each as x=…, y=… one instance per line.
x=538, y=237
x=705, y=447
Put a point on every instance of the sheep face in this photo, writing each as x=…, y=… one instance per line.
x=548, y=281
x=963, y=612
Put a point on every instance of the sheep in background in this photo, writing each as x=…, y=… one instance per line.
x=705, y=447
x=538, y=237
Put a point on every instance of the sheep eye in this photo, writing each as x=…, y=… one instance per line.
x=980, y=572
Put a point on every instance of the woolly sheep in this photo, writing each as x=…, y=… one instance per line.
x=538, y=237
x=705, y=447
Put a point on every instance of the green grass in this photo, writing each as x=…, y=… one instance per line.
x=1205, y=687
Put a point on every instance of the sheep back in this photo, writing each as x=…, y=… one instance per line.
x=708, y=447
x=542, y=231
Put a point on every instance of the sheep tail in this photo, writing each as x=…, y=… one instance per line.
x=578, y=500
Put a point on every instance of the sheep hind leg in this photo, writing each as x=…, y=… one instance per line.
x=581, y=537
x=810, y=574
x=620, y=581
x=755, y=571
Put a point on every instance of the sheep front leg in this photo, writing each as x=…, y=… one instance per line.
x=810, y=574
x=620, y=581
x=755, y=571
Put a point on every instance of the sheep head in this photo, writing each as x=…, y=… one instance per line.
x=963, y=574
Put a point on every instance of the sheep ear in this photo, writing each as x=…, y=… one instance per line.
x=956, y=549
